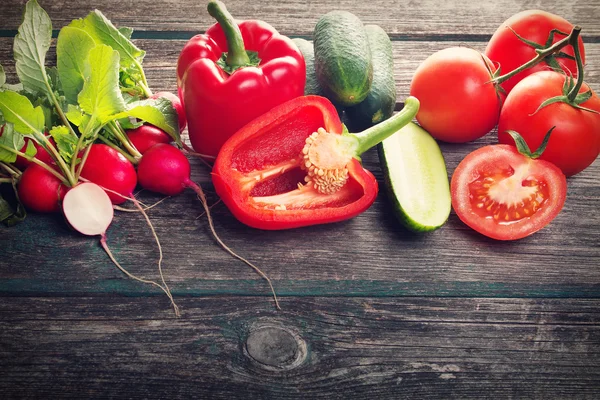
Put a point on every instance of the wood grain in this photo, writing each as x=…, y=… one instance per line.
x=42, y=255
x=89, y=347
x=425, y=19
x=369, y=310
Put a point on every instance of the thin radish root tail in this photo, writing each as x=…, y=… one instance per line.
x=111, y=191
x=198, y=189
x=210, y=207
x=130, y=275
x=88, y=210
x=202, y=157
x=145, y=208
x=160, y=253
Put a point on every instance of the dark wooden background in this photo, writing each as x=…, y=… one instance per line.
x=369, y=310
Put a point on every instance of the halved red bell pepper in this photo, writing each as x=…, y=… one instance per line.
x=234, y=73
x=296, y=165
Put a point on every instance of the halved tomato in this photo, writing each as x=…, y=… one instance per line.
x=505, y=195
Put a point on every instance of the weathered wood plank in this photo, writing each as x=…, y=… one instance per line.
x=383, y=258
x=412, y=19
x=106, y=347
x=43, y=256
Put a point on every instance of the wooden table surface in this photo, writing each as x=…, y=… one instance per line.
x=369, y=310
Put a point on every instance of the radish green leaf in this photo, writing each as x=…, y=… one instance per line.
x=101, y=97
x=18, y=110
x=158, y=112
x=72, y=48
x=104, y=32
x=65, y=142
x=30, y=47
x=10, y=214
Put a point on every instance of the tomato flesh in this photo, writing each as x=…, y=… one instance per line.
x=504, y=195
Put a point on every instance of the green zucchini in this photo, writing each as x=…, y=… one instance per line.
x=416, y=179
x=379, y=103
x=343, y=57
x=312, y=85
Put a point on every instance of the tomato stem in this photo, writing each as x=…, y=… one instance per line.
x=571, y=39
x=575, y=90
x=524, y=149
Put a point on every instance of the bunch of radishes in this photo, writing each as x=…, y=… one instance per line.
x=81, y=136
x=91, y=118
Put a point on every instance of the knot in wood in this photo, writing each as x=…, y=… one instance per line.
x=275, y=348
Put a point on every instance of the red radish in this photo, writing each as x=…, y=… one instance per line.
x=108, y=168
x=147, y=136
x=40, y=191
x=41, y=154
x=89, y=210
x=165, y=169
x=177, y=104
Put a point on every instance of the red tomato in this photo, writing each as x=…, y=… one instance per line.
x=509, y=52
x=502, y=194
x=575, y=142
x=458, y=102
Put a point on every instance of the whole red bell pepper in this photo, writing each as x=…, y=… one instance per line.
x=296, y=165
x=234, y=73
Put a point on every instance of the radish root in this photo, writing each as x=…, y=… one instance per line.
x=146, y=208
x=130, y=275
x=202, y=157
x=113, y=192
x=160, y=256
x=211, y=207
x=198, y=189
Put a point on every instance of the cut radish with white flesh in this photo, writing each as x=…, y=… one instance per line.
x=88, y=209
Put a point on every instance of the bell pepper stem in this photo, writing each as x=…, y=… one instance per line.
x=236, y=54
x=377, y=133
